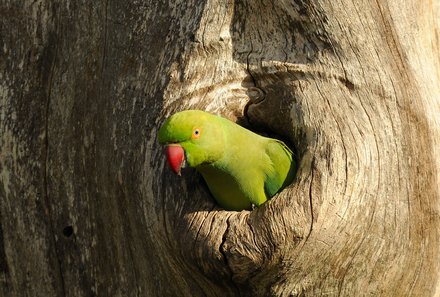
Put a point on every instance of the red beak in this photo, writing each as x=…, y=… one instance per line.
x=176, y=157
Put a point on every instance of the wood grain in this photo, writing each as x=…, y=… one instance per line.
x=88, y=206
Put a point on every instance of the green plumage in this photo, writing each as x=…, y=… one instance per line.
x=241, y=168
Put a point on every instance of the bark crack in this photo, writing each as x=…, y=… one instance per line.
x=136, y=279
x=222, y=250
x=312, y=217
x=391, y=34
x=104, y=51
x=252, y=231
x=254, y=83
x=46, y=160
x=222, y=244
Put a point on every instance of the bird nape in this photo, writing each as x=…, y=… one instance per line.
x=241, y=168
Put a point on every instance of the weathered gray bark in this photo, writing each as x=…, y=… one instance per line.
x=89, y=208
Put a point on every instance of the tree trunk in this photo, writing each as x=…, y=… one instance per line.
x=89, y=208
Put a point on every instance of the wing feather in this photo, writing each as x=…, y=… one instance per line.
x=281, y=169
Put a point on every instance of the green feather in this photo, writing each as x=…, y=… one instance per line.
x=241, y=168
x=282, y=161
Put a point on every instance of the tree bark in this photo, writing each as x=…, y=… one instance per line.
x=89, y=208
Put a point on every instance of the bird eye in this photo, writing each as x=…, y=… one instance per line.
x=196, y=133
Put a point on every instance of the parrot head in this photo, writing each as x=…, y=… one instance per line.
x=193, y=136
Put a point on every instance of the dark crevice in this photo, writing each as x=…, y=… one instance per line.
x=225, y=258
x=252, y=231
x=133, y=263
x=104, y=51
x=4, y=267
x=68, y=231
x=199, y=229
x=254, y=81
x=311, y=199
x=48, y=207
x=254, y=85
x=164, y=212
x=347, y=83
x=222, y=248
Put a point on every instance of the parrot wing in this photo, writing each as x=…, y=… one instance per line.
x=282, y=170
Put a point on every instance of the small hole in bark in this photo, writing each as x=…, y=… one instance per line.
x=68, y=231
x=348, y=84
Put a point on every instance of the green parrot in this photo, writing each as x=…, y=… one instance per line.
x=242, y=169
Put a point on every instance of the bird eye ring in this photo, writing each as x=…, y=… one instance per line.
x=196, y=133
